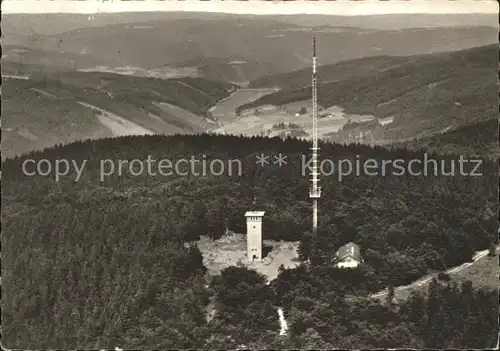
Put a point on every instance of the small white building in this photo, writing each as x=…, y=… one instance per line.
x=348, y=256
x=254, y=235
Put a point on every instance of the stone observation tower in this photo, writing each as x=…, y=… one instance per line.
x=254, y=235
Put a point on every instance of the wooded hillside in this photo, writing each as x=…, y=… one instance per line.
x=93, y=264
x=425, y=94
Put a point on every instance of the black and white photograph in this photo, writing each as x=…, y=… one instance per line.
x=249, y=175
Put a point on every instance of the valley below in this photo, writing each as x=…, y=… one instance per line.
x=293, y=119
x=371, y=94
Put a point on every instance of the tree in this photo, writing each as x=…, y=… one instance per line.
x=444, y=276
x=194, y=230
x=492, y=250
x=195, y=259
x=281, y=268
x=305, y=246
x=390, y=294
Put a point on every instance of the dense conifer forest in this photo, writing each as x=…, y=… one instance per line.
x=103, y=263
x=476, y=139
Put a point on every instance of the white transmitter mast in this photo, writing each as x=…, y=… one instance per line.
x=315, y=191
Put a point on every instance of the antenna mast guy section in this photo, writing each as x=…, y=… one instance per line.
x=315, y=191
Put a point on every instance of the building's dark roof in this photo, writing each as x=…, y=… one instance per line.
x=349, y=250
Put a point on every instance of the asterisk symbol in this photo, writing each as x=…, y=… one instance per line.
x=262, y=160
x=280, y=159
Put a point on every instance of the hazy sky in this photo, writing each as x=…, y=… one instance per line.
x=339, y=7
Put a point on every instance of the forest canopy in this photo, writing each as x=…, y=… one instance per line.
x=93, y=263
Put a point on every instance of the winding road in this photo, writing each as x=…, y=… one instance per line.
x=425, y=280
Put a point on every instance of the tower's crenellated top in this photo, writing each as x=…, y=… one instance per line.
x=255, y=213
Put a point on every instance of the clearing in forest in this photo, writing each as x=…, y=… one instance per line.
x=230, y=250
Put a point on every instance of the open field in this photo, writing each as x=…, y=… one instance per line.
x=225, y=110
x=162, y=72
x=185, y=115
x=483, y=273
x=118, y=125
x=230, y=250
x=261, y=120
